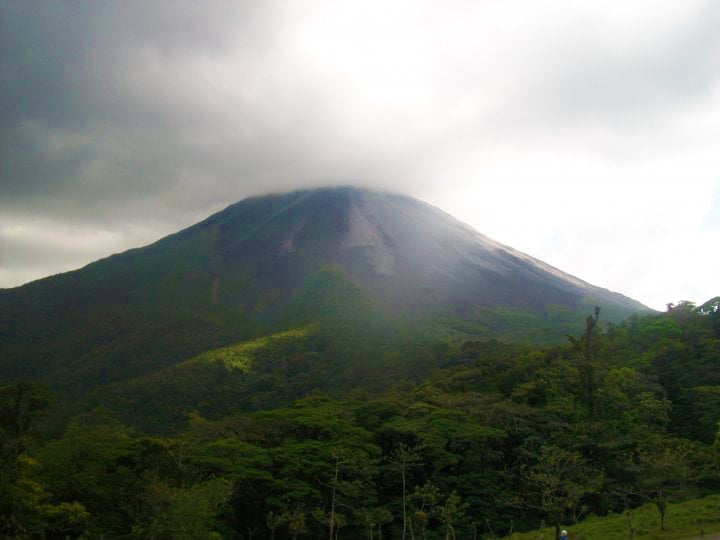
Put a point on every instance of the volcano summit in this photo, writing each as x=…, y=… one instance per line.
x=408, y=255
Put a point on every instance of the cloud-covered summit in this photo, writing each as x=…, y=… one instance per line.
x=534, y=121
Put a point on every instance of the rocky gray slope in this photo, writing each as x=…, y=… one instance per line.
x=406, y=253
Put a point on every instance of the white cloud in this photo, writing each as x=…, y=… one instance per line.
x=584, y=134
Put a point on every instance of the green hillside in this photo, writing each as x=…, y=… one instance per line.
x=461, y=439
x=376, y=265
x=688, y=520
x=348, y=364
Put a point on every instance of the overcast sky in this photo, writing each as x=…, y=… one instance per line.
x=586, y=134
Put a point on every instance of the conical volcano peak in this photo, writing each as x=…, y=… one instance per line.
x=283, y=259
x=404, y=252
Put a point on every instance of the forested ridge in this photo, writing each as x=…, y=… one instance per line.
x=474, y=439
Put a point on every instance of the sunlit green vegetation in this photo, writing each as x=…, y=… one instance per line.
x=686, y=520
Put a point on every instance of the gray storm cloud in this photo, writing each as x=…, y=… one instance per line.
x=126, y=120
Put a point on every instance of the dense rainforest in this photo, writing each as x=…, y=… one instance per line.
x=480, y=438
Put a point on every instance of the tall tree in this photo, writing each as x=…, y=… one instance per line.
x=450, y=511
x=402, y=460
x=586, y=363
x=425, y=499
x=668, y=470
x=552, y=481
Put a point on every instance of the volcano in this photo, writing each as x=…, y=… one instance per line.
x=270, y=263
x=406, y=253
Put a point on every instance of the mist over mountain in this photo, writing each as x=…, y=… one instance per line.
x=270, y=263
x=326, y=360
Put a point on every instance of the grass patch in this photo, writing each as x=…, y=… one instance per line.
x=683, y=521
x=240, y=356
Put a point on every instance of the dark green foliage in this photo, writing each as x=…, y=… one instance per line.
x=24, y=508
x=468, y=438
x=22, y=406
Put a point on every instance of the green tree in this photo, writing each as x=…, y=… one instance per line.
x=295, y=520
x=711, y=309
x=553, y=481
x=402, y=460
x=374, y=517
x=23, y=507
x=22, y=406
x=425, y=499
x=347, y=485
x=192, y=512
x=668, y=470
x=450, y=512
x=586, y=364
x=274, y=522
x=92, y=464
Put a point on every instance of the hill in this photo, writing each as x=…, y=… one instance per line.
x=349, y=260
x=490, y=437
x=687, y=520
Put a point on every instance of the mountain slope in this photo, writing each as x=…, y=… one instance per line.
x=406, y=253
x=345, y=256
